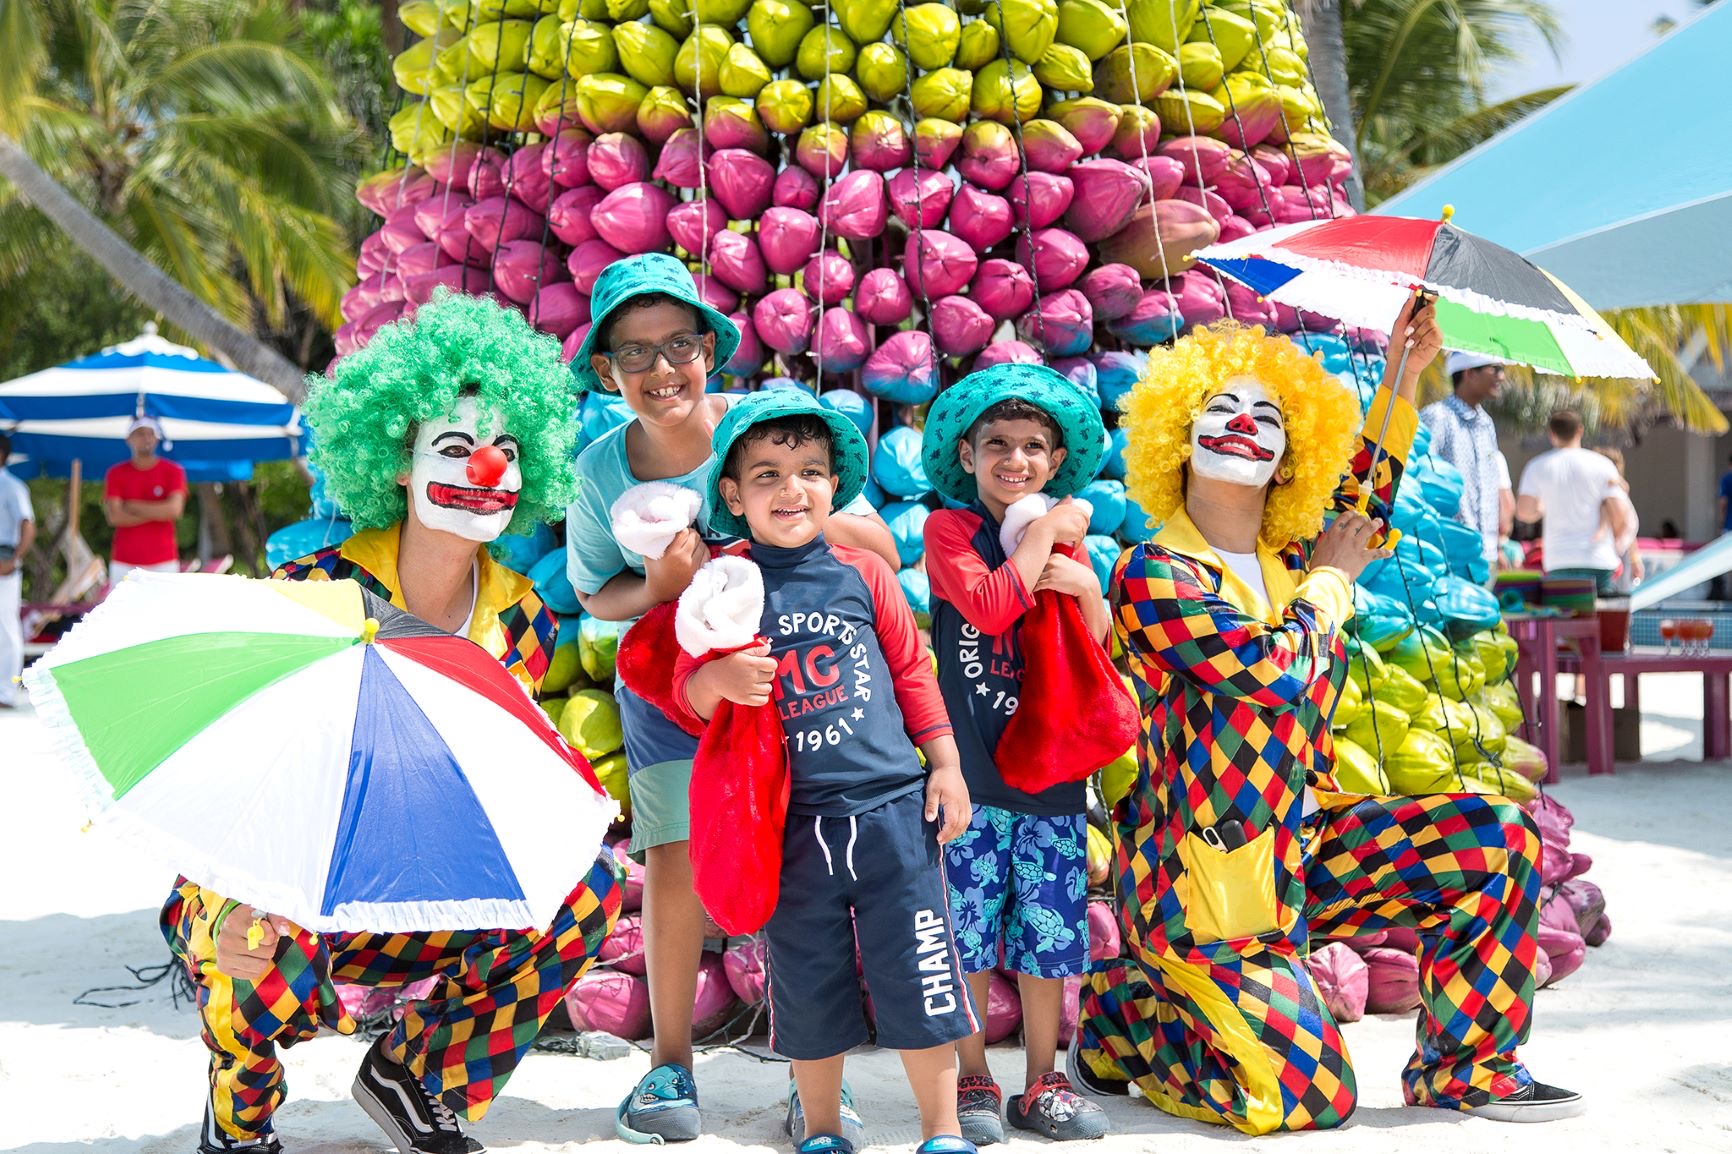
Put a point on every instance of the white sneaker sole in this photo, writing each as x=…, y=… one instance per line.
x=1529, y=1111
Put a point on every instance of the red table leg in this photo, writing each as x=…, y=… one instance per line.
x=1598, y=714
x=1716, y=726
x=1548, y=702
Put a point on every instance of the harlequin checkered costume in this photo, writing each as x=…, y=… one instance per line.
x=495, y=988
x=1212, y=1014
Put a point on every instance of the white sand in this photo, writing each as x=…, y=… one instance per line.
x=1644, y=1029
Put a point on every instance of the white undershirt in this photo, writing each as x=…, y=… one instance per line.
x=1247, y=569
x=474, y=596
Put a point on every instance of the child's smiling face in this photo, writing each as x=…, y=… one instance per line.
x=783, y=487
x=663, y=393
x=1009, y=458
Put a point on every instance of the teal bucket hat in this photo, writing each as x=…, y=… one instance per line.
x=637, y=276
x=847, y=448
x=958, y=407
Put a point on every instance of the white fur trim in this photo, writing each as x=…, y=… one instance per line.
x=1025, y=511
x=1022, y=513
x=647, y=517
x=721, y=608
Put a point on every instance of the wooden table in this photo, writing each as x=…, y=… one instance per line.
x=1716, y=671
x=1539, y=639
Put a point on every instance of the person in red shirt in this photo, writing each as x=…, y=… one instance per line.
x=143, y=498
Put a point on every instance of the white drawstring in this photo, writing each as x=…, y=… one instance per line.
x=818, y=832
x=853, y=833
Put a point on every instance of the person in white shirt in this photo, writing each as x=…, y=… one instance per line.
x=1624, y=526
x=1575, y=492
x=17, y=535
x=1463, y=434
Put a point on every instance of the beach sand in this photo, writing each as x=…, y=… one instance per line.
x=1644, y=1029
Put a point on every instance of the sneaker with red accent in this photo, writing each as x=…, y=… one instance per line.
x=1053, y=1108
x=979, y=1107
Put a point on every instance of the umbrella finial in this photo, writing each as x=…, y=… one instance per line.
x=150, y=328
x=369, y=630
x=1448, y=211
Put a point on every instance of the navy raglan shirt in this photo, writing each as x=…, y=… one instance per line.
x=978, y=600
x=854, y=688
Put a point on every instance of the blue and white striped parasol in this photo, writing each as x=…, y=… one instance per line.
x=80, y=410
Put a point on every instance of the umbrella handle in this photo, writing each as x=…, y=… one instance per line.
x=255, y=934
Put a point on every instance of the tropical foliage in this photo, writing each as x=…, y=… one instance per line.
x=202, y=131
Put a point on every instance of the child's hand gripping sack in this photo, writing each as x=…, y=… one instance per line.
x=739, y=790
x=1083, y=717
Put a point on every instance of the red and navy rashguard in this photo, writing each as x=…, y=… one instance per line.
x=978, y=599
x=854, y=690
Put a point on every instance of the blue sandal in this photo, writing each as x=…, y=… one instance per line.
x=662, y=1108
x=946, y=1144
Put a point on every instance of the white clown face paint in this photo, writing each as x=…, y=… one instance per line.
x=462, y=481
x=1239, y=437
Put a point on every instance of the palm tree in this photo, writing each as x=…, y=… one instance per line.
x=199, y=144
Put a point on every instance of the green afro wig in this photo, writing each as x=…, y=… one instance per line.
x=364, y=411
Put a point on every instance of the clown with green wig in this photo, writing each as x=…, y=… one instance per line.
x=444, y=431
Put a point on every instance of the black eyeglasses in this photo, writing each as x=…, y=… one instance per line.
x=639, y=358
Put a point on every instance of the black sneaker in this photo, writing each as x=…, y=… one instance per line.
x=1054, y=1109
x=412, y=1118
x=978, y=1105
x=1535, y=1102
x=1080, y=1075
x=212, y=1140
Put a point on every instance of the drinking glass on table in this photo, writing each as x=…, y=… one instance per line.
x=1668, y=630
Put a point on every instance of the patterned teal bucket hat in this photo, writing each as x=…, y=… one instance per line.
x=958, y=407
x=847, y=448
x=637, y=276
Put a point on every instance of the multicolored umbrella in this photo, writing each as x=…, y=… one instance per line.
x=308, y=749
x=1361, y=269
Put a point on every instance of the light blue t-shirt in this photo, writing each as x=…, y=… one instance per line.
x=14, y=508
x=592, y=556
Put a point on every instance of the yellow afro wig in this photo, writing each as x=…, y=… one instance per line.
x=1320, y=414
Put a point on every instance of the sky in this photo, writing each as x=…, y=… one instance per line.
x=1600, y=35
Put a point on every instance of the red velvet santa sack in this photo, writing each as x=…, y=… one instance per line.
x=739, y=790
x=1083, y=717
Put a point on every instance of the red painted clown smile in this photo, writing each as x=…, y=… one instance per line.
x=479, y=501
x=1233, y=445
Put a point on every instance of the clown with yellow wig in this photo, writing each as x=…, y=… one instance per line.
x=1234, y=847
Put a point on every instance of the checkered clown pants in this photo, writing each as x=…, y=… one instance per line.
x=494, y=991
x=1248, y=1042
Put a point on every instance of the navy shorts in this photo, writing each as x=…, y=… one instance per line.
x=879, y=876
x=651, y=738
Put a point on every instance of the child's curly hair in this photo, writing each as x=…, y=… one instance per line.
x=1321, y=417
x=364, y=412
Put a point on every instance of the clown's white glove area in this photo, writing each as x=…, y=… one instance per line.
x=647, y=517
x=1025, y=511
x=721, y=608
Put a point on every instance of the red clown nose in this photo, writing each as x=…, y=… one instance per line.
x=486, y=465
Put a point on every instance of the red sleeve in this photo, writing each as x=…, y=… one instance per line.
x=899, y=637
x=989, y=599
x=176, y=482
x=111, y=483
x=684, y=666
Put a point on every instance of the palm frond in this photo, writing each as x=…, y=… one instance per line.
x=23, y=28
x=1657, y=341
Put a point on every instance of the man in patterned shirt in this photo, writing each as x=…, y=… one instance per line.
x=1235, y=848
x=433, y=438
x=1462, y=433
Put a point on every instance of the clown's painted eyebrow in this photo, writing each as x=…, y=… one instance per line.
x=467, y=439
